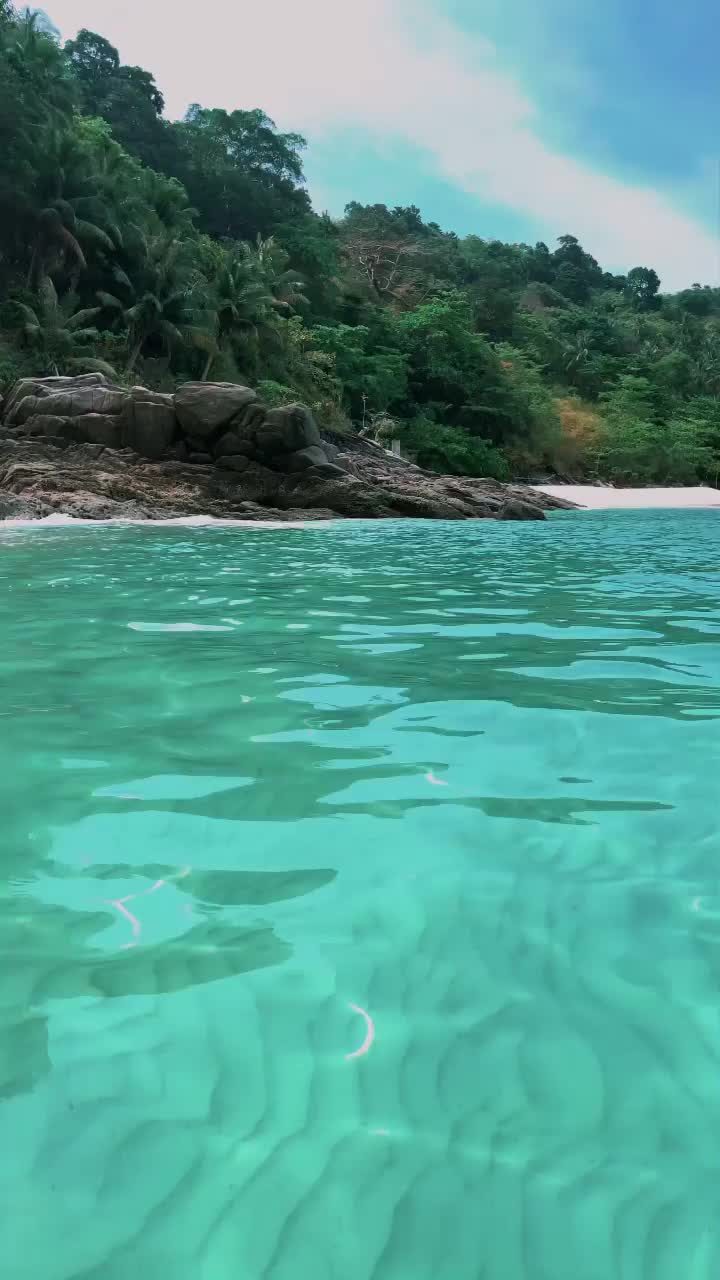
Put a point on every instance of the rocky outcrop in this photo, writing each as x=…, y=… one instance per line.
x=518, y=509
x=201, y=422
x=72, y=402
x=149, y=422
x=83, y=446
x=203, y=408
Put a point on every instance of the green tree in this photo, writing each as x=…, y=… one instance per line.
x=157, y=308
x=242, y=175
x=633, y=398
x=450, y=450
x=372, y=379
x=60, y=333
x=576, y=272
x=313, y=247
x=456, y=375
x=240, y=303
x=126, y=97
x=641, y=287
x=36, y=111
x=193, y=247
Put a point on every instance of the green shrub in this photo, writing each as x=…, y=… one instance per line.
x=275, y=393
x=10, y=370
x=635, y=451
x=452, y=450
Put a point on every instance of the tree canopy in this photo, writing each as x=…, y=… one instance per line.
x=190, y=249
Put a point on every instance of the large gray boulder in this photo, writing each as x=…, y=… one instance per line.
x=149, y=422
x=91, y=409
x=273, y=436
x=228, y=444
x=96, y=428
x=233, y=462
x=517, y=509
x=303, y=459
x=44, y=424
x=155, y=397
x=288, y=429
x=250, y=418
x=202, y=408
x=14, y=508
x=284, y=439
x=71, y=402
x=42, y=387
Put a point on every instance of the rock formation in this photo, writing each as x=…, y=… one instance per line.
x=82, y=446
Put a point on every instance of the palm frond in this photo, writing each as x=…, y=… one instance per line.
x=81, y=318
x=121, y=277
x=94, y=210
x=138, y=238
x=89, y=233
x=48, y=297
x=109, y=300
x=201, y=339
x=67, y=305
x=85, y=335
x=89, y=365
x=178, y=298
x=29, y=316
x=72, y=247
x=67, y=213
x=148, y=305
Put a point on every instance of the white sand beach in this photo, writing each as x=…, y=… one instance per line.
x=601, y=498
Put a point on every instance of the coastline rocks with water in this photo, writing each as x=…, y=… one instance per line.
x=85, y=447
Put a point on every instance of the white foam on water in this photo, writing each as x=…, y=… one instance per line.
x=175, y=626
x=58, y=521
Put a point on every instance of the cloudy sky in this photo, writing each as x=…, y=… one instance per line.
x=511, y=118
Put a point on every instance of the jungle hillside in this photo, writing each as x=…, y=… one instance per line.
x=159, y=251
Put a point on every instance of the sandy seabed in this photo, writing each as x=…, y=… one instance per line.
x=601, y=498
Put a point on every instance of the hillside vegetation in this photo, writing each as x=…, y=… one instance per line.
x=163, y=251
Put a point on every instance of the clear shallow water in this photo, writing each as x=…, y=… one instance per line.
x=462, y=777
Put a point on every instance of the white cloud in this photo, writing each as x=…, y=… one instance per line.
x=395, y=68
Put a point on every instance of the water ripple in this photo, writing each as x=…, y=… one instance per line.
x=365, y=922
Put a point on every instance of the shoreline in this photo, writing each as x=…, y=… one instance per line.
x=602, y=498
x=84, y=446
x=60, y=521
x=583, y=498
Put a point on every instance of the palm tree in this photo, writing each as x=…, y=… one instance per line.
x=73, y=216
x=40, y=64
x=158, y=305
x=36, y=101
x=706, y=355
x=168, y=201
x=576, y=352
x=54, y=245
x=150, y=317
x=61, y=333
x=284, y=283
x=241, y=303
x=253, y=285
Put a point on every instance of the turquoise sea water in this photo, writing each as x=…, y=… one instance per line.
x=447, y=794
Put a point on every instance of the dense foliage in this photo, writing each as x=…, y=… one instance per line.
x=163, y=251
